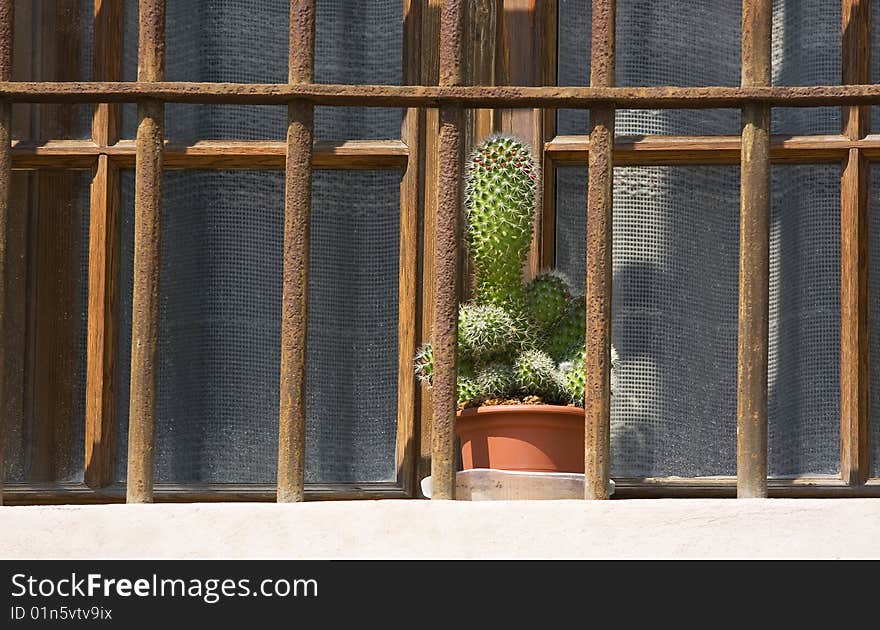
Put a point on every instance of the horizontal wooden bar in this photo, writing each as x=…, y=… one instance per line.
x=675, y=150
x=625, y=488
x=79, y=493
x=435, y=96
x=381, y=154
x=725, y=487
x=230, y=154
x=212, y=154
x=72, y=154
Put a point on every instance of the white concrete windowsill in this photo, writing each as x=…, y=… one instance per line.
x=658, y=528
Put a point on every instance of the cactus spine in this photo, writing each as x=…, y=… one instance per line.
x=500, y=206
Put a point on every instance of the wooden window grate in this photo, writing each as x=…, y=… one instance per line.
x=448, y=102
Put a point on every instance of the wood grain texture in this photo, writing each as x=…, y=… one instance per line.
x=855, y=373
x=520, y=55
x=379, y=154
x=270, y=155
x=108, y=28
x=754, y=258
x=684, y=150
x=53, y=301
x=52, y=358
x=6, y=43
x=409, y=303
x=430, y=73
x=101, y=342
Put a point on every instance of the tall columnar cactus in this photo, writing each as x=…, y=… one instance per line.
x=515, y=339
x=500, y=204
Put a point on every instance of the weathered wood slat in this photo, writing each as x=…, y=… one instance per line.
x=681, y=150
x=409, y=304
x=101, y=349
x=434, y=96
x=600, y=185
x=446, y=255
x=855, y=374
x=754, y=261
x=147, y=224
x=6, y=22
x=295, y=291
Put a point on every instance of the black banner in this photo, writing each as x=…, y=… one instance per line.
x=256, y=593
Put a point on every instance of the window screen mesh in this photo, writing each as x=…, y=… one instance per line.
x=674, y=315
x=53, y=40
x=356, y=41
x=697, y=44
x=46, y=308
x=874, y=318
x=219, y=327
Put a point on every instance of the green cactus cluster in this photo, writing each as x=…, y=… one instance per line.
x=516, y=340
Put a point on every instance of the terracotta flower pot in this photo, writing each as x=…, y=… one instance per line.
x=538, y=438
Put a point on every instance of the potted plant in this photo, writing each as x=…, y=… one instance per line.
x=521, y=345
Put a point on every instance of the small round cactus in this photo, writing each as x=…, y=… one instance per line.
x=487, y=331
x=536, y=375
x=424, y=364
x=500, y=202
x=572, y=376
x=497, y=380
x=568, y=332
x=468, y=389
x=547, y=298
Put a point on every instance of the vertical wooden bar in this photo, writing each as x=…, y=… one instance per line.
x=145, y=301
x=295, y=292
x=6, y=8
x=481, y=48
x=430, y=71
x=754, y=258
x=597, y=434
x=446, y=263
x=408, y=288
x=521, y=63
x=547, y=243
x=855, y=444
x=103, y=258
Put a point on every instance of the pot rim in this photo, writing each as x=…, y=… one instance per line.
x=537, y=409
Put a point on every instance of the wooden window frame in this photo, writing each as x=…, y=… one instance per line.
x=508, y=86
